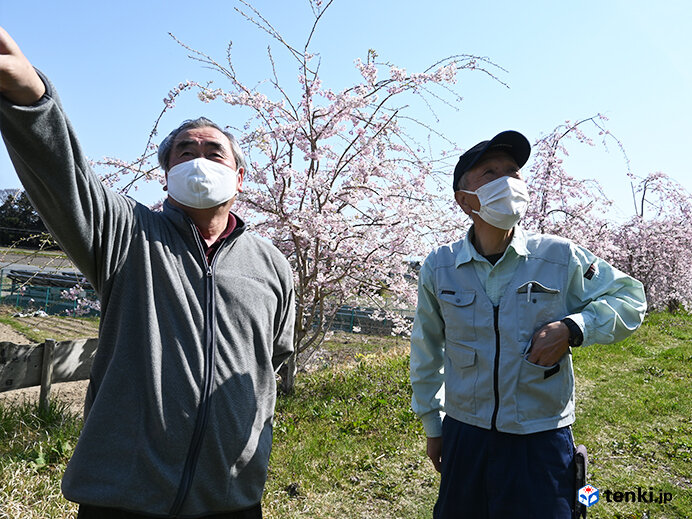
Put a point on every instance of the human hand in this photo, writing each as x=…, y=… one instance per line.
x=434, y=452
x=19, y=82
x=549, y=344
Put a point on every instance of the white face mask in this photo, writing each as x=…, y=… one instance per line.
x=202, y=183
x=503, y=201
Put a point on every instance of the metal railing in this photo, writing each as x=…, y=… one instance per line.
x=362, y=320
x=38, y=290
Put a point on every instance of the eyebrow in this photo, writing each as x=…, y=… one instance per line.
x=188, y=142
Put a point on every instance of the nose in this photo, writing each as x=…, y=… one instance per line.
x=197, y=183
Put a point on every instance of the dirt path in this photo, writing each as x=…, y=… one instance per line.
x=8, y=334
x=70, y=393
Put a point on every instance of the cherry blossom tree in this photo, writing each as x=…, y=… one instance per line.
x=654, y=245
x=341, y=183
x=336, y=180
x=560, y=203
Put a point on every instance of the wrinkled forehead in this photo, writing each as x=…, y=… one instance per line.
x=206, y=136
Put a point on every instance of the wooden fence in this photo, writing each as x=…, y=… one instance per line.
x=29, y=365
x=42, y=364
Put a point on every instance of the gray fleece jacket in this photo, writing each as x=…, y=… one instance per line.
x=178, y=415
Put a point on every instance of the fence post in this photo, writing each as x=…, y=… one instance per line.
x=46, y=374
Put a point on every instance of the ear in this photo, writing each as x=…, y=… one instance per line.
x=241, y=175
x=465, y=201
x=165, y=186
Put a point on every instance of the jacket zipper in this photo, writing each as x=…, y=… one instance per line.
x=496, y=368
x=207, y=383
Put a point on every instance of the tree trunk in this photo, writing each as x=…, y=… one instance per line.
x=288, y=374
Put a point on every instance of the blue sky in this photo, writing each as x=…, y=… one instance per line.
x=113, y=63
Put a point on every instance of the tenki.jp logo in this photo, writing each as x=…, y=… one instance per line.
x=590, y=495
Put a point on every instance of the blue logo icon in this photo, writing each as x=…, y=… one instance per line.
x=588, y=495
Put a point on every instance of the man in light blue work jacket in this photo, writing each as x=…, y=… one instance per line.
x=491, y=364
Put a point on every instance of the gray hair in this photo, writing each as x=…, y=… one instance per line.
x=461, y=185
x=201, y=122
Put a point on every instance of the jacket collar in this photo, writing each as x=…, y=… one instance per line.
x=468, y=252
x=185, y=224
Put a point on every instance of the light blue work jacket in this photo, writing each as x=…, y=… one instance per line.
x=474, y=323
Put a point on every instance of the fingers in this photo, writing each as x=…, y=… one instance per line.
x=549, y=344
x=7, y=44
x=434, y=452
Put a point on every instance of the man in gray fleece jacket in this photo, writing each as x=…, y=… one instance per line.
x=196, y=315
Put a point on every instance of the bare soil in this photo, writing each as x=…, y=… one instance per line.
x=8, y=334
x=70, y=393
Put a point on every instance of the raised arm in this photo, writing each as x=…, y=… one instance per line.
x=92, y=224
x=19, y=82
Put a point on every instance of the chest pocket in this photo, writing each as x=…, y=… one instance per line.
x=537, y=304
x=458, y=313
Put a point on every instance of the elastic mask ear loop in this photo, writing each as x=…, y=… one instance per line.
x=479, y=200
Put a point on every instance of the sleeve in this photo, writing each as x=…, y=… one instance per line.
x=607, y=304
x=91, y=224
x=283, y=338
x=427, y=355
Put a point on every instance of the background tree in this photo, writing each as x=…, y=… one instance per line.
x=562, y=204
x=20, y=224
x=654, y=245
x=337, y=182
x=341, y=183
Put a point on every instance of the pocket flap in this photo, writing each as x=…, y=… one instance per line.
x=462, y=357
x=536, y=288
x=460, y=298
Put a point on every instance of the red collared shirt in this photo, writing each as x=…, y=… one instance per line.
x=210, y=250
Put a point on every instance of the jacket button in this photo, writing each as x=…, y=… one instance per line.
x=458, y=300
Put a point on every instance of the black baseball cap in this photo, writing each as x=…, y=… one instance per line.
x=514, y=143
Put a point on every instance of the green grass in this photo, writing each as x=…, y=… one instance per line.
x=34, y=449
x=346, y=444
x=634, y=402
x=32, y=252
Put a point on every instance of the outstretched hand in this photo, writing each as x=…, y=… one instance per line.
x=19, y=82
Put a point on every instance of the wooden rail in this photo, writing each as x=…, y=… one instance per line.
x=28, y=365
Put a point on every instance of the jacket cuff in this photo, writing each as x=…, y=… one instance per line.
x=47, y=95
x=580, y=321
x=432, y=424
